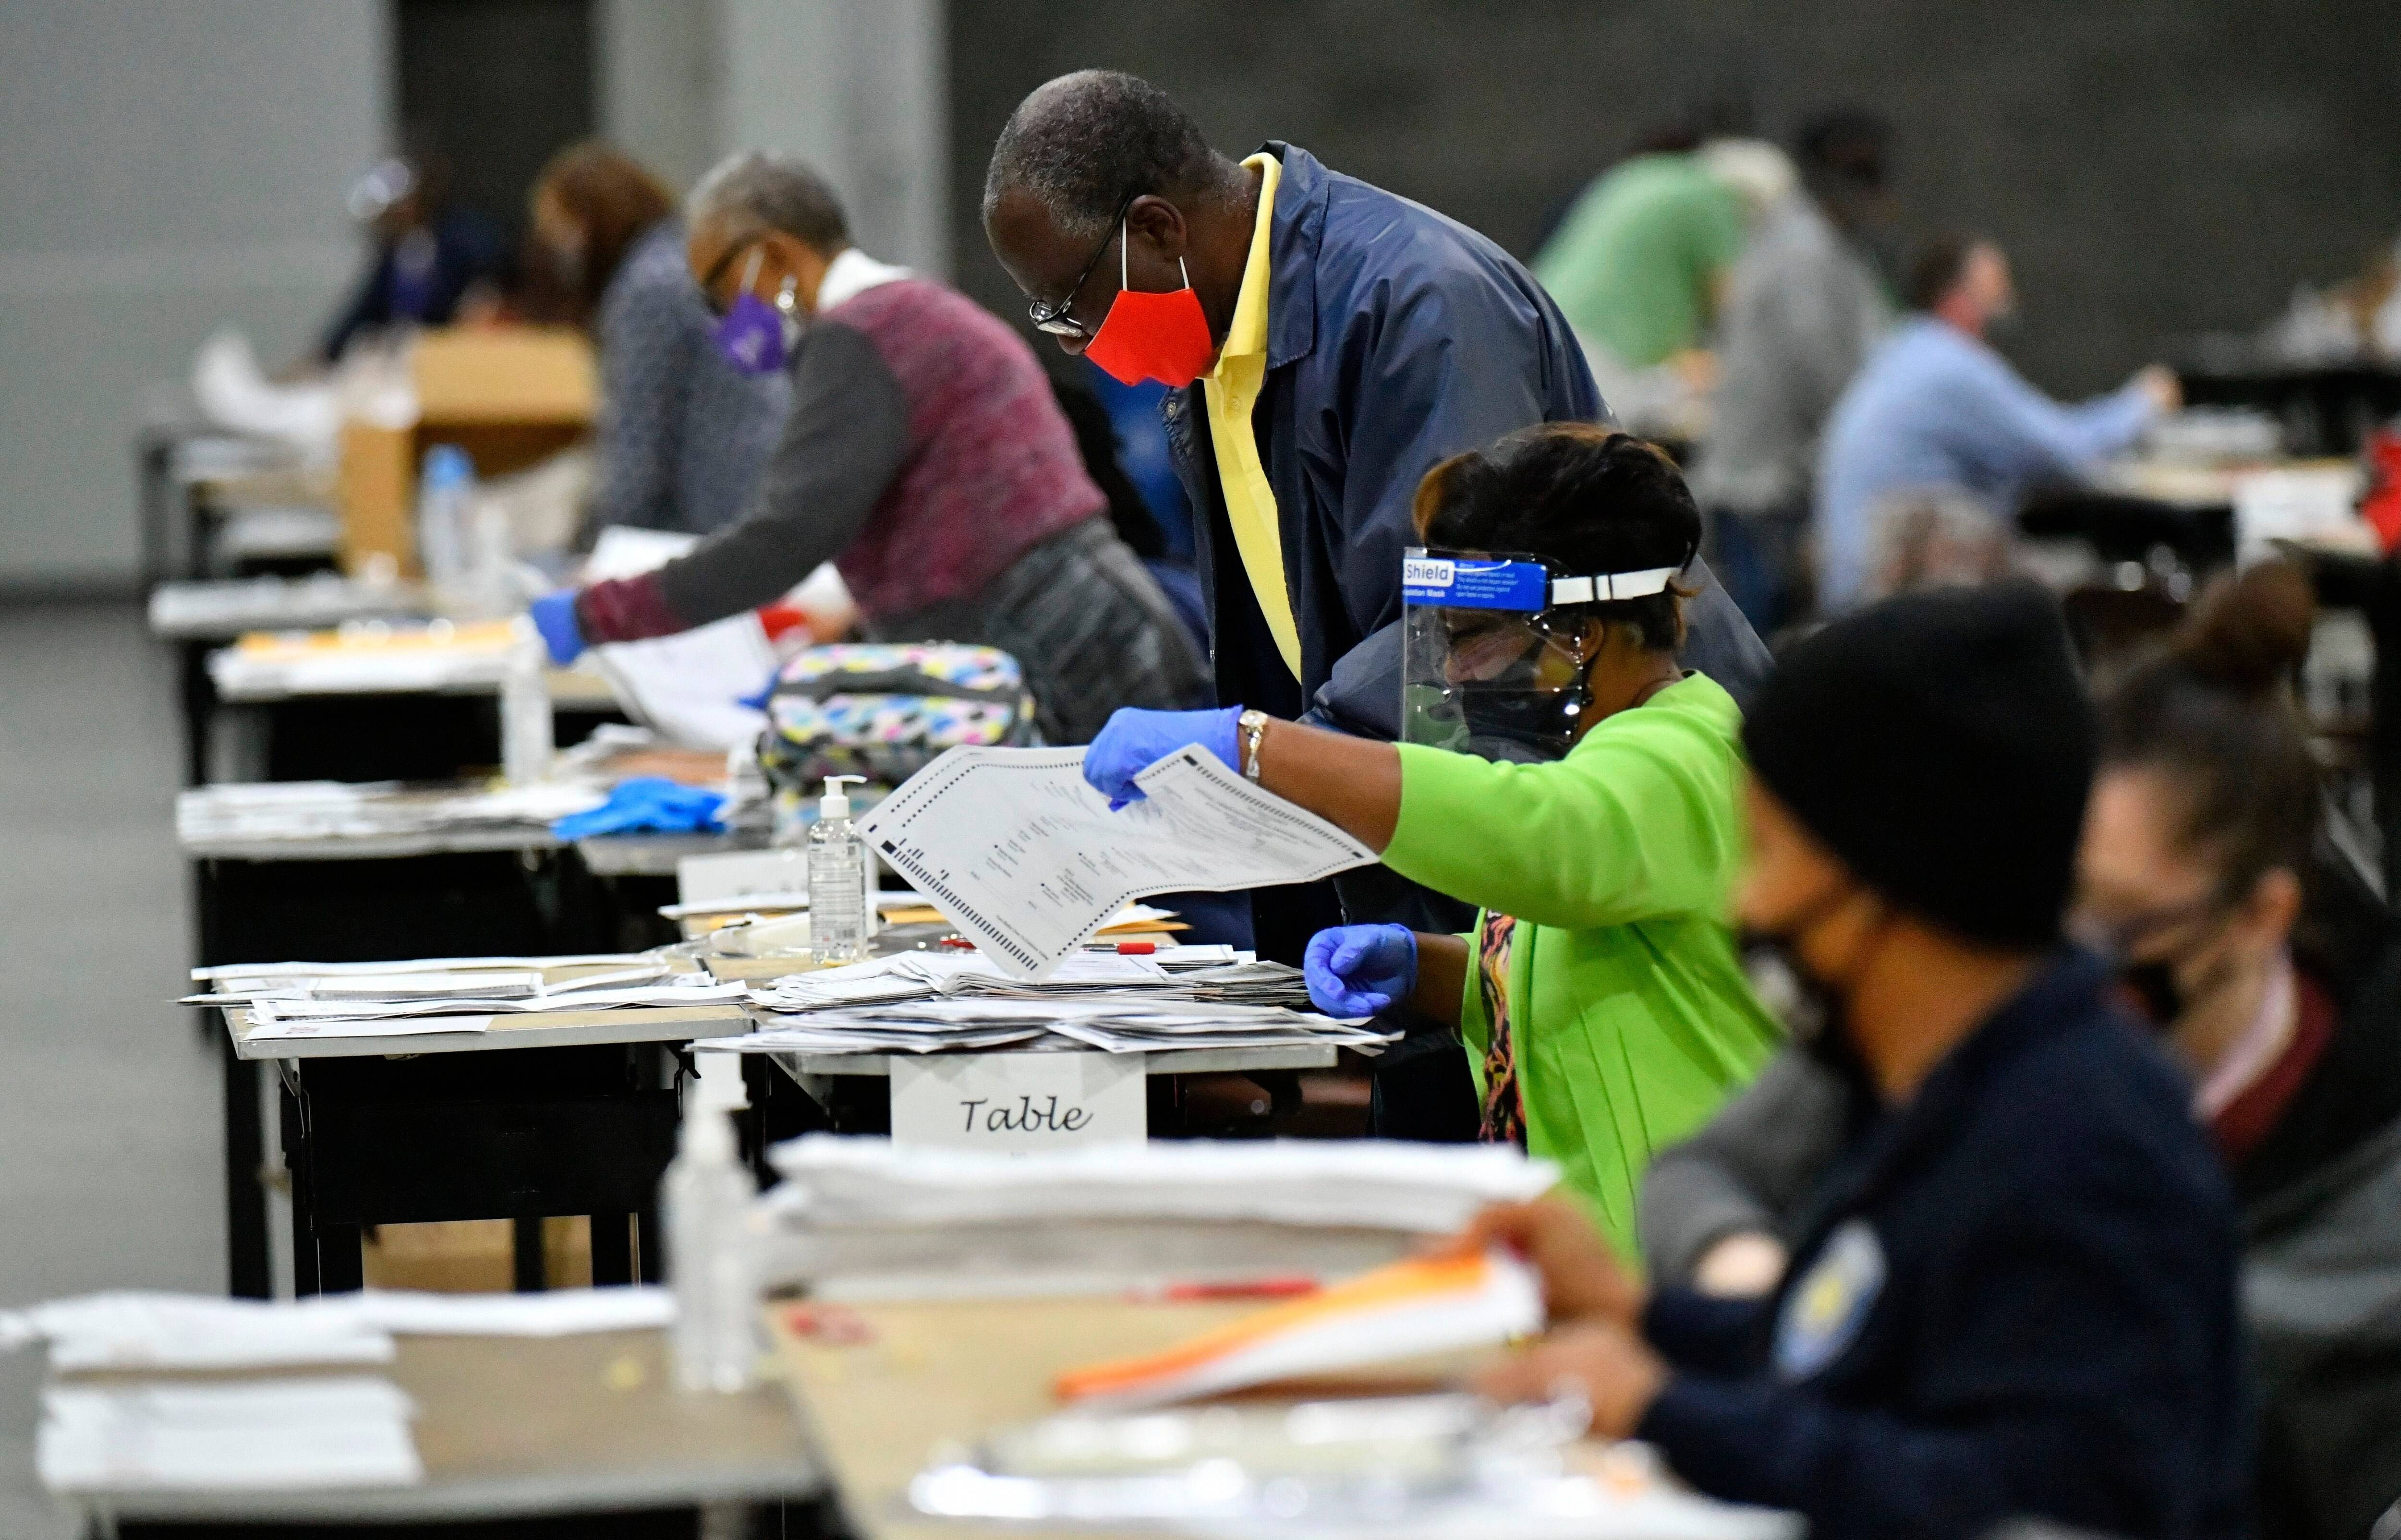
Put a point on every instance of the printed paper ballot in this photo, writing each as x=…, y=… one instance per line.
x=1026, y=859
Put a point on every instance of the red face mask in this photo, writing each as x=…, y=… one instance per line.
x=1145, y=336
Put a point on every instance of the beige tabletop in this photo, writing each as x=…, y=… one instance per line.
x=514, y=1425
x=933, y=1372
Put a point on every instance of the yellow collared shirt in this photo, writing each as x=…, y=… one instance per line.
x=1232, y=389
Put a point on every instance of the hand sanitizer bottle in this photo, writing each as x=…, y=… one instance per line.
x=707, y=1195
x=837, y=880
x=526, y=730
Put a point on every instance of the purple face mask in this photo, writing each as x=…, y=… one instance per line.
x=751, y=334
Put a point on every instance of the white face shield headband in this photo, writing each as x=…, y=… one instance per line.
x=1491, y=650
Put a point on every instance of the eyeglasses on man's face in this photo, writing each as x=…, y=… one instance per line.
x=1053, y=320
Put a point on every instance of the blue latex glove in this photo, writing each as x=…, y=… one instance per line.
x=650, y=804
x=553, y=616
x=1360, y=970
x=1135, y=739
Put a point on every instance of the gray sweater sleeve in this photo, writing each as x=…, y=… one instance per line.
x=847, y=437
x=1749, y=1168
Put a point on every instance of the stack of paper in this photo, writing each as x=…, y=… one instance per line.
x=364, y=656
x=346, y=1431
x=329, y=810
x=1409, y=1310
x=868, y=1217
x=1427, y=1189
x=447, y=994
x=920, y=1002
x=131, y=1328
x=136, y=1329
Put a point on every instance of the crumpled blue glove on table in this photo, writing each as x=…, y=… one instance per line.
x=553, y=616
x=647, y=804
x=1134, y=740
x=1360, y=970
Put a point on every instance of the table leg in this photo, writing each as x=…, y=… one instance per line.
x=612, y=1250
x=300, y=1161
x=531, y=1272
x=652, y=1255
x=245, y=1151
x=341, y=1260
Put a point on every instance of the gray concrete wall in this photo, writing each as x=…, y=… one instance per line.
x=2157, y=167
x=169, y=169
x=856, y=86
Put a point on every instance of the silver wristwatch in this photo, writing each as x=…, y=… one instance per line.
x=1251, y=725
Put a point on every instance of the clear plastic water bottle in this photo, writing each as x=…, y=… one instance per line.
x=706, y=1197
x=445, y=494
x=837, y=880
x=489, y=590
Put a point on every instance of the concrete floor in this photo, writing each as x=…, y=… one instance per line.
x=109, y=1165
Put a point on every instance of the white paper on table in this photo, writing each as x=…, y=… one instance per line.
x=131, y=1329
x=553, y=1312
x=1430, y=1189
x=266, y=1009
x=351, y=1431
x=690, y=686
x=1025, y=858
x=265, y=1029
x=416, y=965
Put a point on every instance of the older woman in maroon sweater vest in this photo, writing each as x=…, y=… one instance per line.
x=925, y=458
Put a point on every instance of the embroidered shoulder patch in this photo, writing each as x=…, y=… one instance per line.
x=1822, y=1316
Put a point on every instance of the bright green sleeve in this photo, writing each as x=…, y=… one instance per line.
x=1639, y=821
x=1722, y=230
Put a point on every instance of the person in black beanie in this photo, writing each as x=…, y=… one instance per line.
x=2016, y=1296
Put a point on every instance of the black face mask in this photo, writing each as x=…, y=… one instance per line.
x=2154, y=993
x=1813, y=1009
x=1512, y=723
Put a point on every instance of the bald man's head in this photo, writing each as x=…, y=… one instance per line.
x=1084, y=143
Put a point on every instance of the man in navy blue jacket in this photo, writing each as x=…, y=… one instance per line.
x=2016, y=1295
x=1360, y=339
x=1384, y=338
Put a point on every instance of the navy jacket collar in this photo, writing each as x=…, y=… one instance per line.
x=1293, y=241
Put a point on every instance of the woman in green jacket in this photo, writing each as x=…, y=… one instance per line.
x=1600, y=997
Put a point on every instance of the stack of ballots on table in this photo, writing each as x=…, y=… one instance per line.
x=1183, y=997
x=868, y=1217
x=273, y=1428
x=210, y=818
x=436, y=995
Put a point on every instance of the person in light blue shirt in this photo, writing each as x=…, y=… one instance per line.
x=1936, y=408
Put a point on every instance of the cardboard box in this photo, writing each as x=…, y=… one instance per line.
x=508, y=396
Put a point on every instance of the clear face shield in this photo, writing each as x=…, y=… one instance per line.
x=1496, y=651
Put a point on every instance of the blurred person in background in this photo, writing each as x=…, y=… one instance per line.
x=1939, y=538
x=1639, y=266
x=924, y=456
x=1601, y=1000
x=2273, y=971
x=682, y=435
x=1325, y=345
x=1804, y=306
x=1935, y=406
x=2014, y=1294
x=433, y=261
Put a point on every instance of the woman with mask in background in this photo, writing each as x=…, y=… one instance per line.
x=923, y=455
x=2273, y=972
x=682, y=434
x=1600, y=997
